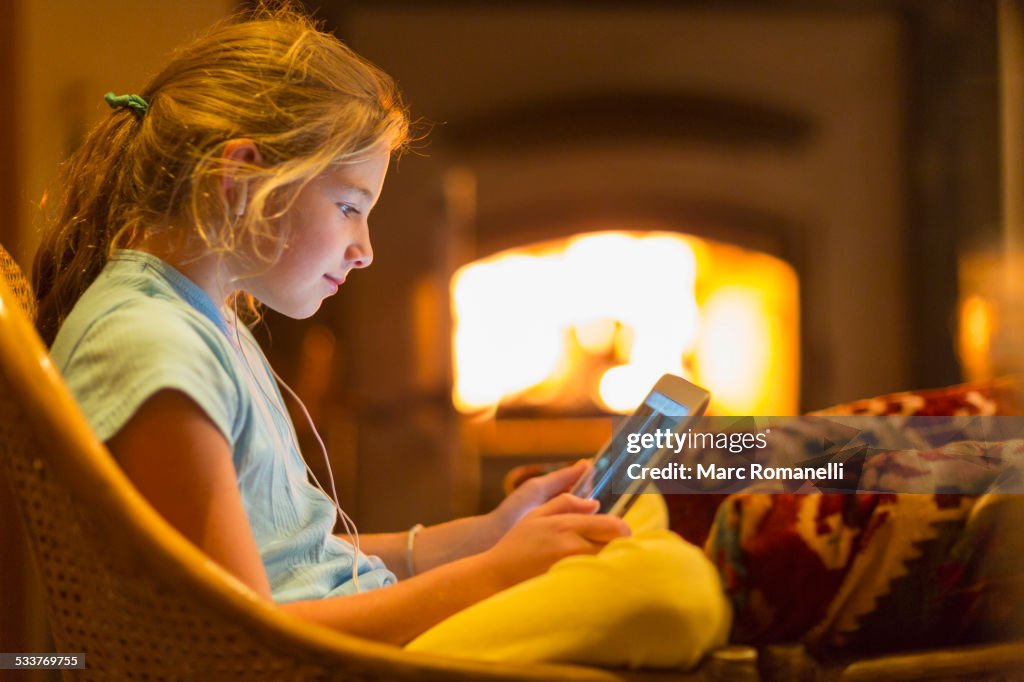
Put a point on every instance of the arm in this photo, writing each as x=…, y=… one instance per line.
x=435, y=545
x=563, y=526
x=446, y=542
x=181, y=463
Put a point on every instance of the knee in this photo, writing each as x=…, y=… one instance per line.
x=668, y=590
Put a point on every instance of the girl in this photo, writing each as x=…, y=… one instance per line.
x=246, y=171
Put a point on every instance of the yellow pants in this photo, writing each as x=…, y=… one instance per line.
x=650, y=600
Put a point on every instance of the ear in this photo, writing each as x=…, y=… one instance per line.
x=237, y=154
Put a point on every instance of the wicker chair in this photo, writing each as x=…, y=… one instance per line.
x=142, y=603
x=127, y=590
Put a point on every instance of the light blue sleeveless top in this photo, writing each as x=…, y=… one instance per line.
x=141, y=327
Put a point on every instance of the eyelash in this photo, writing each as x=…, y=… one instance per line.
x=347, y=210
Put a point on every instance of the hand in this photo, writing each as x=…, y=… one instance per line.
x=465, y=537
x=533, y=493
x=561, y=527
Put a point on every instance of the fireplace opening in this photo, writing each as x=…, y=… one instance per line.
x=583, y=326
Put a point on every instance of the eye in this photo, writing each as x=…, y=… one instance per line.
x=347, y=210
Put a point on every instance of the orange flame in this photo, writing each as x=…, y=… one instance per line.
x=631, y=301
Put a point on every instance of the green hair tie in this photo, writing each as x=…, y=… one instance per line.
x=133, y=102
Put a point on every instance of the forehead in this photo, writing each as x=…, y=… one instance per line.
x=366, y=174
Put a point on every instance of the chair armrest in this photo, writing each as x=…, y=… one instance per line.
x=957, y=663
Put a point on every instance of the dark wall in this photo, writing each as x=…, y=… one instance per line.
x=8, y=110
x=953, y=154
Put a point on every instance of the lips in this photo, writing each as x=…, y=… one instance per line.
x=335, y=282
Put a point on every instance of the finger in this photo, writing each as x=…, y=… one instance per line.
x=561, y=480
x=566, y=504
x=600, y=528
x=537, y=491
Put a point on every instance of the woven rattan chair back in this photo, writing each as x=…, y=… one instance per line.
x=132, y=594
x=16, y=280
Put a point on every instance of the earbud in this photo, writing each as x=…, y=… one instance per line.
x=243, y=199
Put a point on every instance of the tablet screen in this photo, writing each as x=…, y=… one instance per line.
x=658, y=413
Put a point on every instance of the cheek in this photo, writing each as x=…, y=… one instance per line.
x=299, y=261
x=312, y=255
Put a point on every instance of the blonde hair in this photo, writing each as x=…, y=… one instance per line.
x=302, y=97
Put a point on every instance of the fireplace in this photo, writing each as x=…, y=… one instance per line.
x=772, y=140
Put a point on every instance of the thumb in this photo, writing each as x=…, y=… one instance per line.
x=566, y=503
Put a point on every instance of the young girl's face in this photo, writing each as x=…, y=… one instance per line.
x=328, y=237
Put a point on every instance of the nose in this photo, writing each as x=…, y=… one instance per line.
x=359, y=254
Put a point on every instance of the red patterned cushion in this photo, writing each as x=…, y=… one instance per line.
x=691, y=515
x=872, y=572
x=1003, y=396
x=866, y=572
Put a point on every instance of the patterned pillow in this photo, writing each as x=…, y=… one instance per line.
x=874, y=571
x=691, y=515
x=864, y=573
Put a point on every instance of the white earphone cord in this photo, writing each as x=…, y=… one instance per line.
x=346, y=521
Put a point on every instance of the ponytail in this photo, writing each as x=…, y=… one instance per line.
x=89, y=221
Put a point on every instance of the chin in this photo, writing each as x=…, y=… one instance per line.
x=305, y=314
x=297, y=312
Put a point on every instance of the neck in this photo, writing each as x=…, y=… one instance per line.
x=207, y=270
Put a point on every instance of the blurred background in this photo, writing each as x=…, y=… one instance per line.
x=792, y=202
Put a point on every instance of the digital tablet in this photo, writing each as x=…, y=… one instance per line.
x=673, y=405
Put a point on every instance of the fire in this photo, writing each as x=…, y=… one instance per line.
x=977, y=321
x=605, y=314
